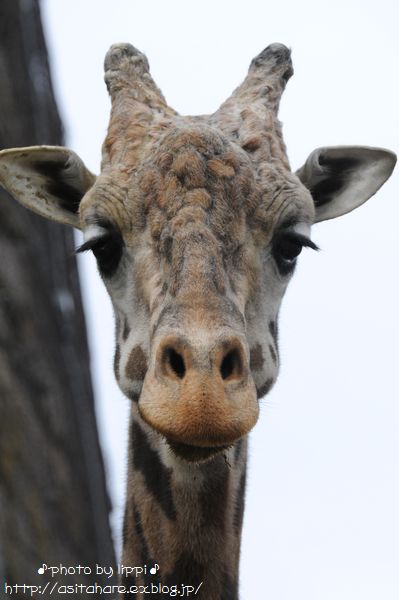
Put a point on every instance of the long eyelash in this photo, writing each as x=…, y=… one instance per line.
x=302, y=239
x=90, y=244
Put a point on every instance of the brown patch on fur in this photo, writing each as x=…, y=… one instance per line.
x=149, y=182
x=170, y=193
x=199, y=197
x=156, y=224
x=126, y=330
x=136, y=366
x=164, y=161
x=220, y=169
x=273, y=328
x=117, y=326
x=117, y=358
x=190, y=169
x=252, y=144
x=231, y=159
x=265, y=388
x=213, y=500
x=256, y=359
x=273, y=353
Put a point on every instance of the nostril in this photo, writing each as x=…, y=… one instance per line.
x=174, y=362
x=231, y=366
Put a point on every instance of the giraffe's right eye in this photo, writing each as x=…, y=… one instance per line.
x=287, y=247
x=107, y=249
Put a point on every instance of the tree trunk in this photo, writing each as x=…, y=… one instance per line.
x=53, y=501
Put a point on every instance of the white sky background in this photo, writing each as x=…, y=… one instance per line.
x=322, y=519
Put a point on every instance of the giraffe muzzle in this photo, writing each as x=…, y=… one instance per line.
x=200, y=396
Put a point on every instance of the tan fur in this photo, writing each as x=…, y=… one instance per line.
x=136, y=366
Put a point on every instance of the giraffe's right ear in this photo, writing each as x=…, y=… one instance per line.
x=50, y=180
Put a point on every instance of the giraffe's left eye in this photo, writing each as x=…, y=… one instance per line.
x=108, y=250
x=286, y=249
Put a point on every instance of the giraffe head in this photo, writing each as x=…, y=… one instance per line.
x=196, y=224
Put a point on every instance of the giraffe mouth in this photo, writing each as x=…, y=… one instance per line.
x=195, y=453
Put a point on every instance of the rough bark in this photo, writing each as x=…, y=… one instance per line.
x=53, y=503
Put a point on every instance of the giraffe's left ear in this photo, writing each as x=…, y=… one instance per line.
x=50, y=180
x=341, y=178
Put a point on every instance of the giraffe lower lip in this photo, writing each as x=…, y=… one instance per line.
x=195, y=453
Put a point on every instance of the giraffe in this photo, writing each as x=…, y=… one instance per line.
x=196, y=224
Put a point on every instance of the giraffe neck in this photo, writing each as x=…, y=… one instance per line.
x=184, y=517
